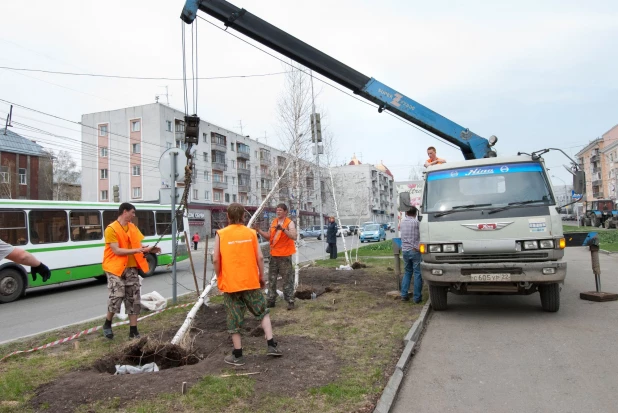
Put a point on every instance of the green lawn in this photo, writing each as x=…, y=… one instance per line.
x=371, y=249
x=608, y=237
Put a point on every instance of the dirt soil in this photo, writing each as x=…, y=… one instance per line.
x=309, y=365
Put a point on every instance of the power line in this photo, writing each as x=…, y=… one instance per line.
x=137, y=77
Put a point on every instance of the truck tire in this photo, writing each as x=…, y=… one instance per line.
x=12, y=285
x=152, y=265
x=437, y=295
x=550, y=297
x=587, y=222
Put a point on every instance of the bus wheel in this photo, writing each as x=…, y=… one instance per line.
x=152, y=264
x=11, y=285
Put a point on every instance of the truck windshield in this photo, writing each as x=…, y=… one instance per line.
x=492, y=185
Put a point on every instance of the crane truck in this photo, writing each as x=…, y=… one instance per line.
x=488, y=224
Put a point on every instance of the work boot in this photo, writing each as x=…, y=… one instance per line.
x=108, y=333
x=274, y=351
x=133, y=335
x=234, y=361
x=291, y=305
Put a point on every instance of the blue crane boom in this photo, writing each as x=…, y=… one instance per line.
x=471, y=145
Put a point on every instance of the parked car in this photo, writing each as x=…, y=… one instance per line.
x=312, y=231
x=373, y=232
x=353, y=229
x=346, y=230
x=326, y=228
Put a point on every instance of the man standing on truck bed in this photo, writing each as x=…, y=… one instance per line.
x=281, y=236
x=433, y=159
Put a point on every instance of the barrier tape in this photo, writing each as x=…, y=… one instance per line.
x=88, y=331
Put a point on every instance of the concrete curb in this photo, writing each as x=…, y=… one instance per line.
x=386, y=401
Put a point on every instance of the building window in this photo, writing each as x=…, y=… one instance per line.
x=103, y=173
x=168, y=145
x=195, y=194
x=136, y=170
x=205, y=137
x=234, y=164
x=218, y=139
x=135, y=126
x=22, y=176
x=104, y=152
x=137, y=192
x=102, y=130
x=217, y=196
x=226, y=179
x=217, y=177
x=5, y=176
x=257, y=184
x=207, y=195
x=227, y=197
x=256, y=155
x=205, y=155
x=233, y=197
x=232, y=146
x=104, y=195
x=135, y=148
x=207, y=176
x=168, y=125
x=233, y=180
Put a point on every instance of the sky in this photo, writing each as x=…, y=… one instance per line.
x=535, y=74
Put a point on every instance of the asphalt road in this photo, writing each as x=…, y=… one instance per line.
x=504, y=354
x=48, y=308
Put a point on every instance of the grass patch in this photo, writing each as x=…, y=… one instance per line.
x=608, y=238
x=372, y=249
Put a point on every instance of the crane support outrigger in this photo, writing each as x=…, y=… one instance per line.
x=471, y=145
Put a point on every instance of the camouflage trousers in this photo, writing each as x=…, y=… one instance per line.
x=280, y=266
x=236, y=303
x=125, y=288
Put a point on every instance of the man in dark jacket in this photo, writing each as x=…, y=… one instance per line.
x=331, y=237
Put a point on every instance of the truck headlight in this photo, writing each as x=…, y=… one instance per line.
x=546, y=243
x=531, y=245
x=435, y=248
x=449, y=248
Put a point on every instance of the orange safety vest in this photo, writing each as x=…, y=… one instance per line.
x=239, y=269
x=280, y=244
x=440, y=160
x=116, y=264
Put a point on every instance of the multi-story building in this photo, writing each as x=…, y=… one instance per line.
x=228, y=167
x=364, y=192
x=598, y=159
x=25, y=168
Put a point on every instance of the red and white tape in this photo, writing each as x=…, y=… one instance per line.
x=88, y=331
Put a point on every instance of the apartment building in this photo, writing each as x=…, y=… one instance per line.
x=599, y=159
x=229, y=167
x=364, y=192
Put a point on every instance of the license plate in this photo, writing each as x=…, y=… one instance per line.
x=490, y=277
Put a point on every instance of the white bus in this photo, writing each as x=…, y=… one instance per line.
x=68, y=238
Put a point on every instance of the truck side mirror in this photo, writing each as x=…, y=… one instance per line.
x=579, y=182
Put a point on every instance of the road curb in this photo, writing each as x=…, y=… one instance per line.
x=386, y=401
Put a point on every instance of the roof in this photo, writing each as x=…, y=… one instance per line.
x=384, y=169
x=14, y=143
x=355, y=161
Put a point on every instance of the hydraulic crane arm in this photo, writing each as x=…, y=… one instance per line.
x=472, y=146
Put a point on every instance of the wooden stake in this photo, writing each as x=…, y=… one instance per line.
x=184, y=387
x=197, y=288
x=241, y=374
x=205, y=262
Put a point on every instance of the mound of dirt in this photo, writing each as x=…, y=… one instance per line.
x=357, y=265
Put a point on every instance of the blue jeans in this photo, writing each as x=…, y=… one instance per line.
x=412, y=262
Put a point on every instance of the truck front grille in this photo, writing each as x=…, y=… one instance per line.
x=536, y=256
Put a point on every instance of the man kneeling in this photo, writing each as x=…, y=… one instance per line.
x=239, y=266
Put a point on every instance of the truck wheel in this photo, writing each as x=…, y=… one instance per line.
x=594, y=221
x=607, y=224
x=152, y=265
x=11, y=285
x=550, y=297
x=437, y=295
x=587, y=222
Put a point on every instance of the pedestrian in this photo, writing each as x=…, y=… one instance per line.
x=281, y=236
x=331, y=237
x=239, y=265
x=122, y=256
x=433, y=159
x=19, y=256
x=196, y=239
x=410, y=240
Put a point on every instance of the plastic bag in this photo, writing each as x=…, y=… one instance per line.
x=126, y=369
x=122, y=315
x=153, y=301
x=328, y=249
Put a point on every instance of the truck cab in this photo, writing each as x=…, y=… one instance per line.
x=490, y=226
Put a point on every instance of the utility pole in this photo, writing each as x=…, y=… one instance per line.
x=317, y=165
x=173, y=156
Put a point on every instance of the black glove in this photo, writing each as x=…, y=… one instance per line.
x=42, y=270
x=279, y=227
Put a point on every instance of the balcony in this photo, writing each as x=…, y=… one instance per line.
x=597, y=182
x=244, y=187
x=265, y=191
x=243, y=170
x=595, y=158
x=265, y=161
x=219, y=166
x=219, y=185
x=220, y=146
x=243, y=155
x=596, y=170
x=598, y=195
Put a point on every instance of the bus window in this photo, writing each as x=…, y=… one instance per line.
x=164, y=223
x=85, y=225
x=47, y=226
x=13, y=227
x=109, y=217
x=144, y=220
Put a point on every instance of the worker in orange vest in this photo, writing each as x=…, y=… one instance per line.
x=433, y=159
x=281, y=236
x=122, y=256
x=239, y=266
